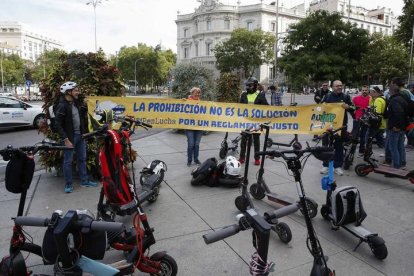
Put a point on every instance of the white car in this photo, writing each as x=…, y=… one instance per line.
x=16, y=113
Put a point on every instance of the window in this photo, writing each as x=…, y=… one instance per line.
x=196, y=50
x=9, y=103
x=386, y=31
x=186, y=52
x=250, y=26
x=380, y=30
x=375, y=29
x=273, y=27
x=209, y=48
x=185, y=32
x=227, y=24
x=208, y=25
x=387, y=19
x=196, y=26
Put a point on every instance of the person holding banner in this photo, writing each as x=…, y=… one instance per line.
x=193, y=136
x=337, y=96
x=251, y=96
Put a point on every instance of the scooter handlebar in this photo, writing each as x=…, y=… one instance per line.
x=221, y=234
x=32, y=221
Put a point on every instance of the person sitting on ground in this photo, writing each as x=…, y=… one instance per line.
x=251, y=96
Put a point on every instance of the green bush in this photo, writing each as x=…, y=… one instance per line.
x=228, y=88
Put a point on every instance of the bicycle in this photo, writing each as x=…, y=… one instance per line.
x=261, y=228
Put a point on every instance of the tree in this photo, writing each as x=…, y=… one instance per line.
x=45, y=64
x=187, y=76
x=94, y=76
x=13, y=69
x=245, y=51
x=323, y=47
x=404, y=32
x=228, y=88
x=386, y=58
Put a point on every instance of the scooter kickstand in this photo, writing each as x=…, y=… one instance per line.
x=356, y=247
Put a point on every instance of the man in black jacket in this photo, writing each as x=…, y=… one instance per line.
x=319, y=97
x=337, y=96
x=397, y=120
x=71, y=123
x=251, y=96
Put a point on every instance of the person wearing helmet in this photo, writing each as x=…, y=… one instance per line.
x=251, y=96
x=71, y=123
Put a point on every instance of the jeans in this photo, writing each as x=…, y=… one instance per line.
x=243, y=144
x=387, y=147
x=193, y=144
x=396, y=145
x=359, y=130
x=338, y=154
x=79, y=146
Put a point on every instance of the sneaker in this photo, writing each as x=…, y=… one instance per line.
x=339, y=171
x=242, y=160
x=68, y=189
x=257, y=162
x=89, y=184
x=197, y=162
x=324, y=170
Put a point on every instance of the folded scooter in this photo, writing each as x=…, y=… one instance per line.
x=225, y=148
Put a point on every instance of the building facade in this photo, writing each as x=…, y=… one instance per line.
x=213, y=22
x=16, y=37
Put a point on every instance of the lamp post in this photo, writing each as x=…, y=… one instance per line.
x=1, y=68
x=411, y=57
x=94, y=3
x=135, y=66
x=276, y=41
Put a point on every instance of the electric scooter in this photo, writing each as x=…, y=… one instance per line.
x=260, y=189
x=244, y=202
x=343, y=208
x=224, y=149
x=372, y=165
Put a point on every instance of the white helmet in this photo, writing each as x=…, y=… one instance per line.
x=69, y=85
x=233, y=166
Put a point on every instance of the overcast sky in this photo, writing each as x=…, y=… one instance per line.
x=121, y=22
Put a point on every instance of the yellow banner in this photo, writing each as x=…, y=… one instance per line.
x=214, y=116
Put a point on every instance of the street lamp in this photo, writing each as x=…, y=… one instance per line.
x=411, y=56
x=276, y=39
x=135, y=66
x=94, y=3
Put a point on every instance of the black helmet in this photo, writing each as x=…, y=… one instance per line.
x=252, y=80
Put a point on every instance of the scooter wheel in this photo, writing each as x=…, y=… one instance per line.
x=168, y=266
x=312, y=207
x=283, y=231
x=241, y=203
x=361, y=169
x=378, y=247
x=269, y=142
x=257, y=191
x=325, y=212
x=223, y=152
x=154, y=197
x=348, y=161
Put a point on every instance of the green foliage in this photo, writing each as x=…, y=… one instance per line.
x=323, y=47
x=187, y=76
x=94, y=76
x=245, y=51
x=45, y=64
x=152, y=65
x=404, y=32
x=13, y=69
x=386, y=58
x=228, y=88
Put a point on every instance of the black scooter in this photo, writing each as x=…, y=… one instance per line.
x=260, y=189
x=343, y=208
x=224, y=149
x=244, y=202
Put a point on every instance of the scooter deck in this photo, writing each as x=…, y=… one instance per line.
x=392, y=171
x=280, y=199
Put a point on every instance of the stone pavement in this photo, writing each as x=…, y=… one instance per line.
x=183, y=213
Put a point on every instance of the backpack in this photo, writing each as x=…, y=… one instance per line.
x=206, y=173
x=19, y=173
x=116, y=182
x=347, y=206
